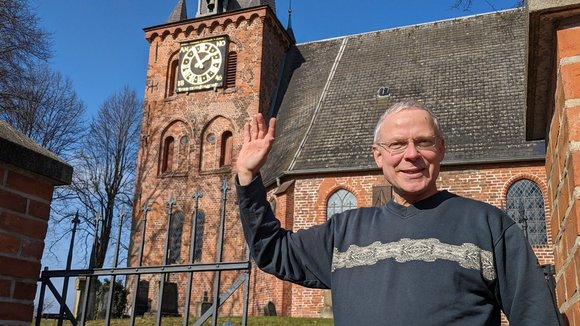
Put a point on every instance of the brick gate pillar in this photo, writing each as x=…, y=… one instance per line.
x=553, y=114
x=28, y=175
x=564, y=170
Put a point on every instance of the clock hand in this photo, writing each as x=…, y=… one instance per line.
x=199, y=63
x=207, y=57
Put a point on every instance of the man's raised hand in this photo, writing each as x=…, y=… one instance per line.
x=257, y=144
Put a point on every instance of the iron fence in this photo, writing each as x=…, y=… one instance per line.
x=164, y=270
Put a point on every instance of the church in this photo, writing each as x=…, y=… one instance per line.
x=207, y=75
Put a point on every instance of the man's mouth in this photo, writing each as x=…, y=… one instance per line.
x=411, y=171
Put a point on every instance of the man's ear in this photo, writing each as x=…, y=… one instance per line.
x=378, y=156
x=442, y=148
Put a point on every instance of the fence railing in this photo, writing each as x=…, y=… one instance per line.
x=91, y=274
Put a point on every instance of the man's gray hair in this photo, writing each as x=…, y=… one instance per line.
x=402, y=106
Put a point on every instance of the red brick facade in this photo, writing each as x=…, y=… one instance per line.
x=563, y=172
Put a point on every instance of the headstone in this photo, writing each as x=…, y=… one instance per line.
x=169, y=305
x=270, y=309
x=142, y=304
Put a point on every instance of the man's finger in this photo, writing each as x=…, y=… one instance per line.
x=247, y=132
x=261, y=126
x=254, y=130
x=272, y=128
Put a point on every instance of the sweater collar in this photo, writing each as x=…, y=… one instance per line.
x=418, y=207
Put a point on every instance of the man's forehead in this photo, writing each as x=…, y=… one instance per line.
x=410, y=116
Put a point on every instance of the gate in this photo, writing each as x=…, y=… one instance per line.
x=164, y=270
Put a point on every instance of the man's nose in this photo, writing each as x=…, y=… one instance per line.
x=411, y=151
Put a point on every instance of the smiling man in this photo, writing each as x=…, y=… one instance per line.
x=427, y=257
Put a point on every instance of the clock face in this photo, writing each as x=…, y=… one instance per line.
x=201, y=64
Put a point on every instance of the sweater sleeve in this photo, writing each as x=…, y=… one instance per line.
x=522, y=290
x=303, y=257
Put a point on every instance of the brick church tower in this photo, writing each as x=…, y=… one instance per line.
x=205, y=77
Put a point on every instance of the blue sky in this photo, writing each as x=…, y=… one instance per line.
x=100, y=44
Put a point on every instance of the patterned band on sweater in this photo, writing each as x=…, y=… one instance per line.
x=466, y=255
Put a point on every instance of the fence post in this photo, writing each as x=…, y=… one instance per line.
x=216, y=290
x=145, y=209
x=196, y=196
x=113, y=277
x=41, y=299
x=88, y=284
x=75, y=222
x=170, y=204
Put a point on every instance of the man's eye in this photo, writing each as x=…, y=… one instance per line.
x=397, y=145
x=425, y=142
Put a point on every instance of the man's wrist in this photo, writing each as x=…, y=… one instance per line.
x=245, y=177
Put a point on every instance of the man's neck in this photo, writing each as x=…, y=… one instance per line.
x=409, y=199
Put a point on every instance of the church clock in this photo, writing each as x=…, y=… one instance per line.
x=201, y=64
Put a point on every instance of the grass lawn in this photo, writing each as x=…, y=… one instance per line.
x=234, y=321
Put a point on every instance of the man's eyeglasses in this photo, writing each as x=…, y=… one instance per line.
x=400, y=145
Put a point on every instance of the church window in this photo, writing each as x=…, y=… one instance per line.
x=226, y=149
x=525, y=205
x=175, y=232
x=172, y=78
x=168, y=148
x=198, y=243
x=339, y=202
x=231, y=68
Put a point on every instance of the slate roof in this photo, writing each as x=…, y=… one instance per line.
x=179, y=13
x=469, y=70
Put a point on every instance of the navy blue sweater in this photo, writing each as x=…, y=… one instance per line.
x=446, y=260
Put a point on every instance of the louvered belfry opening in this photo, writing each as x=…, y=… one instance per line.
x=231, y=69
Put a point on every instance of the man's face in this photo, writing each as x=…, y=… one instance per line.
x=412, y=172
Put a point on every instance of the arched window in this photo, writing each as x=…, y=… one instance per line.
x=340, y=201
x=175, y=232
x=226, y=150
x=168, y=147
x=199, y=228
x=525, y=205
x=231, y=68
x=172, y=78
x=181, y=162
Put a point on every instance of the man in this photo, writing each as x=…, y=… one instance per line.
x=427, y=257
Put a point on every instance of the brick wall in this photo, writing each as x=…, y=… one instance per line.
x=24, y=211
x=563, y=172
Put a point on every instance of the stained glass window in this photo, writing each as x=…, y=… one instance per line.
x=199, y=229
x=525, y=205
x=175, y=231
x=339, y=202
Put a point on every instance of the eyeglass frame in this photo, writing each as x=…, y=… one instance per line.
x=435, y=138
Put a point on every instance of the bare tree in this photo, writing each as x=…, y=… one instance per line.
x=46, y=109
x=465, y=5
x=22, y=42
x=104, y=176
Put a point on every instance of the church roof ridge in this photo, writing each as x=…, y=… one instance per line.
x=418, y=25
